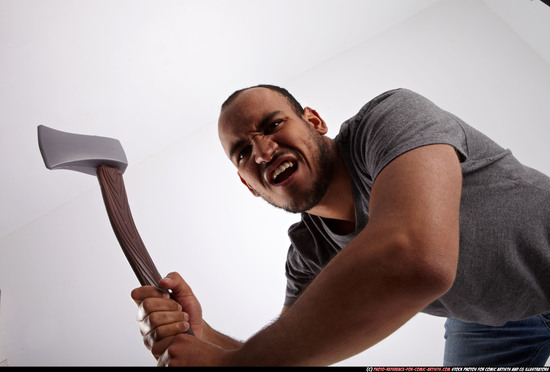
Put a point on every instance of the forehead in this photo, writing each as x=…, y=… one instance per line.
x=246, y=111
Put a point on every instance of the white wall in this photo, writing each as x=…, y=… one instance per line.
x=196, y=217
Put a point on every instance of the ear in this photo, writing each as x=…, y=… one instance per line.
x=315, y=120
x=248, y=186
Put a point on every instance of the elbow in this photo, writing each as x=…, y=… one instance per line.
x=437, y=279
x=428, y=267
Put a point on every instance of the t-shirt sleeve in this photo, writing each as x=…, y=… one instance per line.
x=388, y=126
x=300, y=270
x=297, y=276
x=399, y=121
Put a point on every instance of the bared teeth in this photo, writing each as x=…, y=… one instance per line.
x=281, y=169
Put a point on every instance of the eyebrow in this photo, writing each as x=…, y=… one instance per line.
x=264, y=122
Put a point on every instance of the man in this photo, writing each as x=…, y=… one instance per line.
x=408, y=209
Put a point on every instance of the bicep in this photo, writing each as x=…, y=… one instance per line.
x=417, y=196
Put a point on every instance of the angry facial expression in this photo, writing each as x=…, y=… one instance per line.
x=280, y=156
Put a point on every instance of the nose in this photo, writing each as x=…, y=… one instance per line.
x=264, y=148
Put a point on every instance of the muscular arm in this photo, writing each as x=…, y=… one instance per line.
x=405, y=258
x=219, y=339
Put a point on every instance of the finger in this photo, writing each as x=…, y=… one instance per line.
x=154, y=304
x=141, y=293
x=164, y=359
x=176, y=347
x=156, y=341
x=182, y=293
x=178, y=321
x=158, y=348
x=174, y=282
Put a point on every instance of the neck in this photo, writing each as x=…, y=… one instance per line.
x=337, y=203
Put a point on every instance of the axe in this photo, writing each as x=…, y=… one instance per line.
x=105, y=158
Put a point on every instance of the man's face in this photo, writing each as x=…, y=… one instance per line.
x=280, y=156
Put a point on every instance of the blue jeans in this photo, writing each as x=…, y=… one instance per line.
x=518, y=343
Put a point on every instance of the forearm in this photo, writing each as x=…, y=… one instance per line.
x=353, y=304
x=219, y=339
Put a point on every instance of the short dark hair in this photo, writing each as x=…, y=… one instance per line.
x=296, y=106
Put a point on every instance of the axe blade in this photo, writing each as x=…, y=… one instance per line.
x=79, y=152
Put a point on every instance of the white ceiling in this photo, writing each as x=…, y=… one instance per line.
x=151, y=72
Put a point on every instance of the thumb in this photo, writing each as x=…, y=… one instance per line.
x=180, y=290
x=182, y=293
x=178, y=287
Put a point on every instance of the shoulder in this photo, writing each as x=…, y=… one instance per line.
x=395, y=122
x=377, y=109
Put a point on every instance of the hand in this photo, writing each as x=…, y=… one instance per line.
x=161, y=317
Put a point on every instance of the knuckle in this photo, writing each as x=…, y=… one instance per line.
x=150, y=304
x=154, y=318
x=135, y=294
x=149, y=340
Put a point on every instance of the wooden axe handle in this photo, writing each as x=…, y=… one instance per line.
x=118, y=209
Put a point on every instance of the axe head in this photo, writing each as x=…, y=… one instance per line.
x=78, y=152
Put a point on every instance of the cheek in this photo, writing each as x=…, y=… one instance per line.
x=249, y=174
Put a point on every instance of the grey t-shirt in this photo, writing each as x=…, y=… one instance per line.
x=504, y=258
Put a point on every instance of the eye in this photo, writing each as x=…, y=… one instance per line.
x=273, y=127
x=243, y=153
